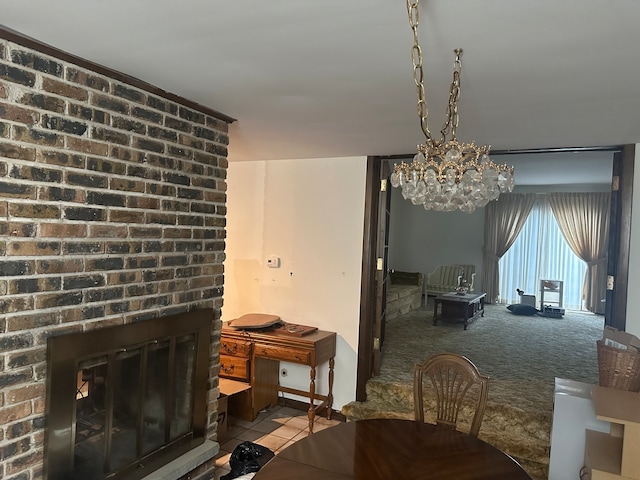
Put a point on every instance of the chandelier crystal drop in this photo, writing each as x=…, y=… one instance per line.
x=446, y=174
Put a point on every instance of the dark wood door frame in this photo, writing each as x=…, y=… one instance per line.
x=382, y=264
x=368, y=285
x=620, y=230
x=619, y=246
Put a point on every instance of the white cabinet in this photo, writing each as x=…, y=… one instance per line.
x=573, y=413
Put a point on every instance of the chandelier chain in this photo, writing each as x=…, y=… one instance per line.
x=418, y=72
x=454, y=95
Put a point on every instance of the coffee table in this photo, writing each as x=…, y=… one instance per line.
x=453, y=306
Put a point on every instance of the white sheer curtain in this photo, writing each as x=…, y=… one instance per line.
x=503, y=220
x=541, y=252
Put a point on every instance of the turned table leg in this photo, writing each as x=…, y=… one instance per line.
x=312, y=395
x=330, y=396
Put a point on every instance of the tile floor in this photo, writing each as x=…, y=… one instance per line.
x=275, y=428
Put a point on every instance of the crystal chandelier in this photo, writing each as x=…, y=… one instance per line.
x=446, y=174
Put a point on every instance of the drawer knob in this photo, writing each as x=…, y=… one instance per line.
x=227, y=370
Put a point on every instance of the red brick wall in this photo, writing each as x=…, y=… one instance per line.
x=112, y=209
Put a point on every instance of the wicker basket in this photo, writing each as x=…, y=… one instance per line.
x=618, y=368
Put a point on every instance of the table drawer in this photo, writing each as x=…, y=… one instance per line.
x=284, y=353
x=234, y=367
x=239, y=348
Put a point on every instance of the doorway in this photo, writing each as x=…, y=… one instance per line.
x=619, y=244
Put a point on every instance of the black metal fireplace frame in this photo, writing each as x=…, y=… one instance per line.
x=64, y=354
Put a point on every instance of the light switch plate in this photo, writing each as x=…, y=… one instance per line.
x=273, y=261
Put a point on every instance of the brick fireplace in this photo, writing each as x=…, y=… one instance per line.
x=112, y=211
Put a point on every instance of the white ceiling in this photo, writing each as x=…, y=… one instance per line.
x=334, y=77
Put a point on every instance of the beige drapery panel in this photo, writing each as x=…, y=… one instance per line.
x=503, y=220
x=584, y=222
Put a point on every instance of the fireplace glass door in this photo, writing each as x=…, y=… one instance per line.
x=131, y=402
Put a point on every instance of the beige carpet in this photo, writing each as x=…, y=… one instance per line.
x=522, y=354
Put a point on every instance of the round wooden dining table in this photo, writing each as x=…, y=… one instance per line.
x=390, y=449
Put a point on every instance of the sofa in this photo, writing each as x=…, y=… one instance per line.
x=444, y=278
x=404, y=293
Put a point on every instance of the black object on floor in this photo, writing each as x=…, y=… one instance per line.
x=247, y=457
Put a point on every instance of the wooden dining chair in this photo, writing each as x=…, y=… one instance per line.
x=454, y=379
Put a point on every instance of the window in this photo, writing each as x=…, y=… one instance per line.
x=541, y=252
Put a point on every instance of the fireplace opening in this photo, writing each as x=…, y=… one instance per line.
x=123, y=401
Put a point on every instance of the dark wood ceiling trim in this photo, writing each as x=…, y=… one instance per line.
x=29, y=42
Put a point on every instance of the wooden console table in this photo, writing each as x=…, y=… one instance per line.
x=465, y=307
x=254, y=356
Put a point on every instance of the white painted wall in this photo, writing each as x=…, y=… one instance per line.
x=245, y=219
x=311, y=214
x=420, y=240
